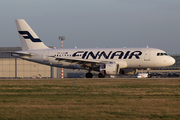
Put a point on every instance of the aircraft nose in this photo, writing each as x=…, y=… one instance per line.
x=171, y=61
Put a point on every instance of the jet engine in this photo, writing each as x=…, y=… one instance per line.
x=110, y=68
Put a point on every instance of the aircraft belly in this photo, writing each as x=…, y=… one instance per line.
x=64, y=64
x=139, y=64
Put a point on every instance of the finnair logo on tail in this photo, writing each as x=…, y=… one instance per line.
x=27, y=35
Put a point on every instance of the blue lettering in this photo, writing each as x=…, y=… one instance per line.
x=92, y=55
x=126, y=55
x=120, y=55
x=104, y=54
x=76, y=53
x=84, y=55
x=138, y=53
x=98, y=55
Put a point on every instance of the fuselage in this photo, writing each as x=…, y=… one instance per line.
x=126, y=57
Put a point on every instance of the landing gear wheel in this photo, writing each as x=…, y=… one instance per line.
x=149, y=75
x=89, y=75
x=100, y=75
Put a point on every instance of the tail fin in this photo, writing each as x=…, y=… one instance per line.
x=28, y=38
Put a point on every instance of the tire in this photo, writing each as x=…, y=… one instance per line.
x=100, y=75
x=149, y=75
x=89, y=75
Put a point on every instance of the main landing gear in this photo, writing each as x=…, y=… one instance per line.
x=149, y=75
x=89, y=75
x=100, y=75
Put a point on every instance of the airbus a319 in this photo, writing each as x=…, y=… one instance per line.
x=106, y=61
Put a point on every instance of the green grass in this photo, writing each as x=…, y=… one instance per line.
x=94, y=99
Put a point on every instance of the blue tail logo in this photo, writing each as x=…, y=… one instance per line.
x=27, y=35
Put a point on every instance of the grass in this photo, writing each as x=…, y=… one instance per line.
x=94, y=99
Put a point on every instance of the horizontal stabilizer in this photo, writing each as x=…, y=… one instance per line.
x=20, y=54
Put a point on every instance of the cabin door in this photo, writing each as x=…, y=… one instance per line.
x=147, y=55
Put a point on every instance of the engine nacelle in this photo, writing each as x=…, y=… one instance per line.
x=110, y=68
x=127, y=71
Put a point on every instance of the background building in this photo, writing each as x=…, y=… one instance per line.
x=11, y=67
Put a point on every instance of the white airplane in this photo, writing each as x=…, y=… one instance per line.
x=106, y=61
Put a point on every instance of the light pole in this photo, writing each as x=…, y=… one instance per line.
x=61, y=38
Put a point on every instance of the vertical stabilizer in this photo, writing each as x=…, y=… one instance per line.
x=28, y=38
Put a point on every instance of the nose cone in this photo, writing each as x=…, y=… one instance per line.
x=171, y=61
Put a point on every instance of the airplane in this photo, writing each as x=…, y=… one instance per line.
x=106, y=61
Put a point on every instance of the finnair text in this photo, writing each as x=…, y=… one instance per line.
x=108, y=55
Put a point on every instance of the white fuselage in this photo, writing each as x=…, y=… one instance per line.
x=125, y=57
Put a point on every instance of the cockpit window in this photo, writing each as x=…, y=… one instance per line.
x=161, y=54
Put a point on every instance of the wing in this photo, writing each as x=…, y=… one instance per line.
x=82, y=62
